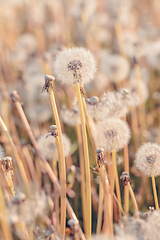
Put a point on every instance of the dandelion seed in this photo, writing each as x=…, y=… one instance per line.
x=147, y=159
x=115, y=67
x=49, y=148
x=74, y=64
x=112, y=134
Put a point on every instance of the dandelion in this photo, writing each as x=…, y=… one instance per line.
x=147, y=160
x=115, y=67
x=112, y=134
x=74, y=64
x=49, y=148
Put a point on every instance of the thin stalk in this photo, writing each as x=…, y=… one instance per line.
x=117, y=181
x=134, y=200
x=100, y=209
x=111, y=180
x=126, y=169
x=20, y=165
x=155, y=192
x=61, y=164
x=5, y=228
x=87, y=164
x=82, y=171
x=89, y=127
x=56, y=194
x=107, y=201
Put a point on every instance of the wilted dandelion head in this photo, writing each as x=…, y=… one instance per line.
x=2, y=153
x=74, y=64
x=147, y=159
x=115, y=67
x=48, y=146
x=112, y=134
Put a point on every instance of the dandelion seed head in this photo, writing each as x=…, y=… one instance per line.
x=115, y=67
x=113, y=105
x=49, y=148
x=112, y=134
x=147, y=159
x=74, y=64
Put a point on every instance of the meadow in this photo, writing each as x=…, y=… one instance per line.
x=79, y=120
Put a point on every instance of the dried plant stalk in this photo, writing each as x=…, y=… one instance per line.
x=155, y=193
x=20, y=165
x=61, y=164
x=87, y=164
x=82, y=171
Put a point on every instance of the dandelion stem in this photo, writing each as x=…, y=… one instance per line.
x=20, y=165
x=61, y=164
x=5, y=228
x=100, y=208
x=117, y=181
x=82, y=170
x=133, y=199
x=87, y=164
x=155, y=192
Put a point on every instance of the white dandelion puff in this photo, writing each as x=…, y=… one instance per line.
x=115, y=67
x=74, y=64
x=112, y=134
x=147, y=159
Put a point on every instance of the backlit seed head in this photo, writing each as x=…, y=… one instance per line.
x=74, y=64
x=147, y=159
x=112, y=134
